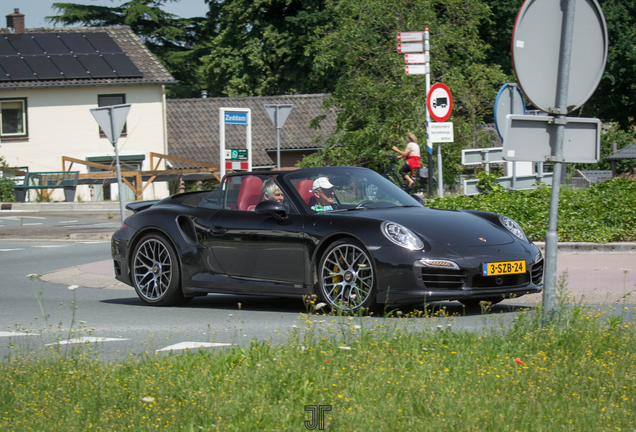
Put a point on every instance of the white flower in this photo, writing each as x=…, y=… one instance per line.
x=231, y=314
x=73, y=287
x=352, y=296
x=31, y=276
x=357, y=327
x=320, y=306
x=345, y=347
x=440, y=327
x=148, y=399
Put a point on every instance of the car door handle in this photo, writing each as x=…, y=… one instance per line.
x=218, y=230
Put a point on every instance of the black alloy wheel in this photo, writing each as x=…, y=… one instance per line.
x=155, y=272
x=346, y=277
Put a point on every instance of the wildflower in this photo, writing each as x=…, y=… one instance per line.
x=31, y=276
x=345, y=347
x=440, y=327
x=357, y=327
x=320, y=306
x=148, y=399
x=327, y=361
x=518, y=360
x=73, y=287
x=352, y=296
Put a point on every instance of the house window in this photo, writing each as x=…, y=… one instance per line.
x=14, y=118
x=108, y=100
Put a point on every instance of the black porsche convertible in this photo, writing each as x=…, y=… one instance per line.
x=345, y=234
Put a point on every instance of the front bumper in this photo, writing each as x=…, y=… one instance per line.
x=420, y=283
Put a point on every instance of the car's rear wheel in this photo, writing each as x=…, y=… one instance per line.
x=155, y=272
x=476, y=302
x=346, y=277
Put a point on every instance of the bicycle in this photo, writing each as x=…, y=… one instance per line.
x=391, y=173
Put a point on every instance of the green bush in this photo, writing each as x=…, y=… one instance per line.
x=603, y=213
x=6, y=190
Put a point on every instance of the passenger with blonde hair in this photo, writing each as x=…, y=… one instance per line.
x=413, y=159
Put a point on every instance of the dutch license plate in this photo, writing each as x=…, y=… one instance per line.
x=503, y=268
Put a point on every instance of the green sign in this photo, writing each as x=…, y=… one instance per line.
x=236, y=154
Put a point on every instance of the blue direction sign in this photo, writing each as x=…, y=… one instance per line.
x=235, y=118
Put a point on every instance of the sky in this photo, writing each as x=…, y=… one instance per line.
x=36, y=10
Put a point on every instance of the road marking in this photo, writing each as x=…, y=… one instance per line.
x=193, y=345
x=9, y=250
x=35, y=223
x=49, y=246
x=88, y=339
x=10, y=334
x=68, y=222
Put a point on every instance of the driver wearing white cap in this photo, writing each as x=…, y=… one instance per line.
x=324, y=193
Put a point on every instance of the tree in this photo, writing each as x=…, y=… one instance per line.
x=379, y=103
x=263, y=47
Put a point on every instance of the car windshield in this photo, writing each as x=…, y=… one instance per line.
x=345, y=189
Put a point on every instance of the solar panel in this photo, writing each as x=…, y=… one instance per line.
x=103, y=43
x=123, y=66
x=16, y=68
x=50, y=43
x=43, y=67
x=96, y=66
x=70, y=66
x=3, y=75
x=5, y=47
x=24, y=44
x=77, y=43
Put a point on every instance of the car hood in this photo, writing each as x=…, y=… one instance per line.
x=447, y=227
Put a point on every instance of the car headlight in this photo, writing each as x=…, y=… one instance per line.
x=401, y=236
x=513, y=227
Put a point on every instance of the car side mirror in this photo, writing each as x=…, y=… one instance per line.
x=271, y=208
x=419, y=199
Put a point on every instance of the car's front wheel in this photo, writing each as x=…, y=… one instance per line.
x=155, y=272
x=346, y=277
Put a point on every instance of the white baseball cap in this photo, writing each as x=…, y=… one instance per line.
x=321, y=183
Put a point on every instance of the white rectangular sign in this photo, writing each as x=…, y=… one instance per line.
x=410, y=36
x=415, y=69
x=410, y=47
x=533, y=139
x=441, y=132
x=414, y=58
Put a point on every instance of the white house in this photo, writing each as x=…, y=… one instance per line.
x=49, y=80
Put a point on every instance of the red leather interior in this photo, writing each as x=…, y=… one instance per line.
x=250, y=193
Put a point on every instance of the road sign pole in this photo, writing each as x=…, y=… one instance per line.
x=551, y=237
x=278, y=147
x=429, y=144
x=120, y=184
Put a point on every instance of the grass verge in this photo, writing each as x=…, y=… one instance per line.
x=575, y=374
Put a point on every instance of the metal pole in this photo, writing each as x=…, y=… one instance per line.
x=119, y=184
x=429, y=144
x=277, y=145
x=440, y=182
x=551, y=237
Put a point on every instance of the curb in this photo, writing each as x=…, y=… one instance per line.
x=69, y=207
x=584, y=247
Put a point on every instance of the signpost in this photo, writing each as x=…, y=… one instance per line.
x=235, y=116
x=112, y=120
x=412, y=47
x=549, y=41
x=278, y=114
x=439, y=102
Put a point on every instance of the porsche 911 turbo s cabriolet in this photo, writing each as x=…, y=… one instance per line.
x=345, y=234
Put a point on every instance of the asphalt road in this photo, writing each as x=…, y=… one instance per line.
x=110, y=314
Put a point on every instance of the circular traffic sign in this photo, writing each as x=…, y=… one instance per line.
x=439, y=102
x=509, y=101
x=536, y=50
